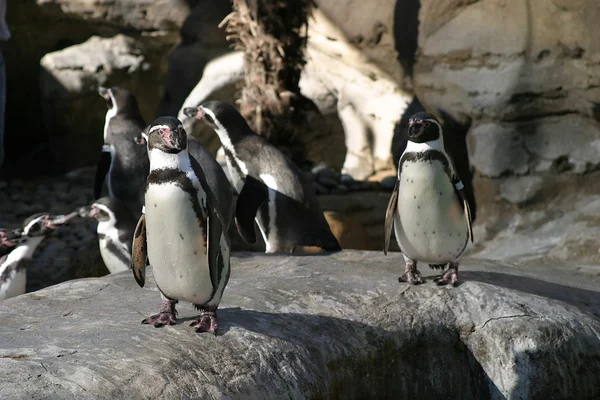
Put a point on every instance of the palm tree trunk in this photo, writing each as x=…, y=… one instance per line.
x=272, y=34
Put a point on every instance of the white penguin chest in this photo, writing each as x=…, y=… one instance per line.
x=115, y=254
x=429, y=223
x=176, y=245
x=14, y=268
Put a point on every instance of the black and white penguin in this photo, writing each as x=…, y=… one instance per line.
x=181, y=233
x=215, y=176
x=271, y=188
x=13, y=265
x=116, y=225
x=124, y=163
x=428, y=208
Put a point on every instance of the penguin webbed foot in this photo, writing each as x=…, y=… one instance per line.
x=166, y=316
x=411, y=274
x=206, y=321
x=450, y=277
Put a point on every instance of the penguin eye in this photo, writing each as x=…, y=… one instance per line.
x=426, y=124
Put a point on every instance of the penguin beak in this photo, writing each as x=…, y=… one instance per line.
x=105, y=93
x=191, y=112
x=102, y=91
x=165, y=134
x=85, y=212
x=415, y=128
x=52, y=222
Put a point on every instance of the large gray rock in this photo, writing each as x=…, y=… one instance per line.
x=337, y=326
x=46, y=26
x=523, y=74
x=73, y=110
x=132, y=14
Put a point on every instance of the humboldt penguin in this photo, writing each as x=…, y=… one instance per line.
x=428, y=208
x=116, y=224
x=272, y=189
x=13, y=265
x=181, y=232
x=124, y=162
x=215, y=176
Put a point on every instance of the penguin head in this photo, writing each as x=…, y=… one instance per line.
x=223, y=117
x=42, y=224
x=106, y=209
x=101, y=212
x=167, y=134
x=423, y=127
x=119, y=100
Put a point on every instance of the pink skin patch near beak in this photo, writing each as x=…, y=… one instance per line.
x=165, y=134
x=201, y=113
x=54, y=222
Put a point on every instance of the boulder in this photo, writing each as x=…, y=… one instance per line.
x=48, y=26
x=73, y=110
x=524, y=76
x=149, y=15
x=563, y=229
x=336, y=326
x=349, y=233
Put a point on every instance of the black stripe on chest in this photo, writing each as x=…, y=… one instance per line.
x=18, y=266
x=116, y=250
x=234, y=162
x=179, y=178
x=426, y=157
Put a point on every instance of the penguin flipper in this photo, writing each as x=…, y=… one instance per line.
x=389, y=218
x=460, y=191
x=253, y=194
x=139, y=252
x=101, y=171
x=217, y=262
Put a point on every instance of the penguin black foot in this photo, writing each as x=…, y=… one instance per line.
x=207, y=320
x=166, y=316
x=411, y=274
x=449, y=277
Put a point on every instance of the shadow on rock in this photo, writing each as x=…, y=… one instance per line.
x=364, y=361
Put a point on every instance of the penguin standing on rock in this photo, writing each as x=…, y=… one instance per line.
x=428, y=209
x=271, y=188
x=115, y=229
x=124, y=162
x=13, y=265
x=181, y=232
x=215, y=176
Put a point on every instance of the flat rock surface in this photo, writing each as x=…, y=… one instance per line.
x=335, y=326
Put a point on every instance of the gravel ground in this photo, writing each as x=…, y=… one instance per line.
x=72, y=250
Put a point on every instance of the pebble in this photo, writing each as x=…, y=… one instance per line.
x=327, y=182
x=340, y=189
x=347, y=179
x=329, y=173
x=319, y=189
x=308, y=175
x=365, y=185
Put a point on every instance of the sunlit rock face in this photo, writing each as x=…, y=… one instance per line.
x=523, y=74
x=338, y=326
